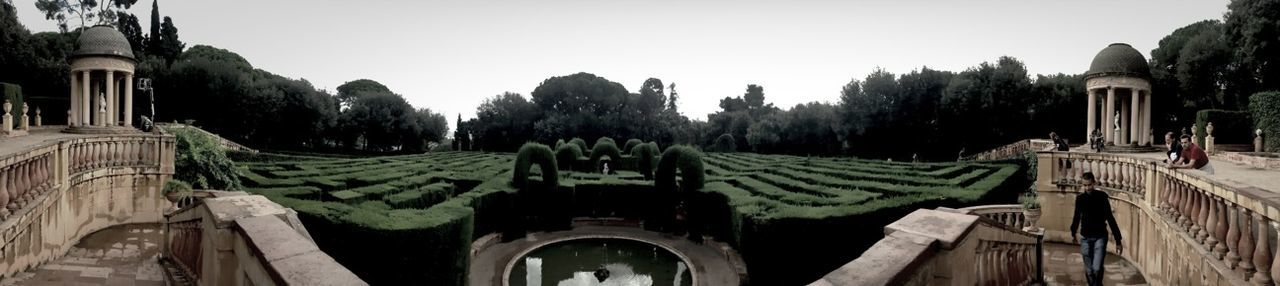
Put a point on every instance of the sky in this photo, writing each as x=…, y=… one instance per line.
x=451, y=55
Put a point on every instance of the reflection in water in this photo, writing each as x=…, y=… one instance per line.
x=575, y=263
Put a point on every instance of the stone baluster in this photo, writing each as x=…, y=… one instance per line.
x=1194, y=216
x=1275, y=264
x=5, y=199
x=1128, y=176
x=1220, y=232
x=1182, y=205
x=1165, y=198
x=1233, y=236
x=21, y=179
x=1203, y=218
x=1246, y=246
x=1262, y=254
x=1211, y=225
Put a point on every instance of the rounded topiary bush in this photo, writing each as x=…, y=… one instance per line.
x=534, y=153
x=628, y=148
x=685, y=159
x=604, y=148
x=566, y=154
x=582, y=144
x=605, y=139
x=725, y=143
x=559, y=143
x=645, y=154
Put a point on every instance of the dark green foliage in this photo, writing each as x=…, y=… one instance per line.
x=534, y=153
x=605, y=139
x=1265, y=107
x=559, y=142
x=582, y=144
x=202, y=162
x=645, y=155
x=350, y=91
x=688, y=162
x=566, y=154
x=503, y=122
x=605, y=147
x=632, y=143
x=725, y=143
x=12, y=94
x=1229, y=127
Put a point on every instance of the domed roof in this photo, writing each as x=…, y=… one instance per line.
x=1119, y=59
x=102, y=41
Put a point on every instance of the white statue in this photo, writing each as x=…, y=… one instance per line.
x=1117, y=121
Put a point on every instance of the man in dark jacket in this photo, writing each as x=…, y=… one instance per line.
x=1092, y=217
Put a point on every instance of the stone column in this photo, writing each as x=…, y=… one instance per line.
x=74, y=101
x=95, y=107
x=83, y=115
x=1092, y=112
x=128, y=99
x=112, y=115
x=1108, y=132
x=1133, y=116
x=1148, y=135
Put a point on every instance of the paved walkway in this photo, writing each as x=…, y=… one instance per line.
x=709, y=264
x=119, y=255
x=1064, y=266
x=23, y=143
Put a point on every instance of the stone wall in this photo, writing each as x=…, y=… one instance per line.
x=57, y=192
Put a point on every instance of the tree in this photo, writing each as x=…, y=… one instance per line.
x=1252, y=30
x=128, y=25
x=754, y=97
x=671, y=100
x=502, y=122
x=154, y=38
x=580, y=104
x=170, y=46
x=350, y=91
x=63, y=11
x=379, y=122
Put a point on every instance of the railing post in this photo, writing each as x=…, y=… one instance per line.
x=1246, y=243
x=1233, y=236
x=1262, y=254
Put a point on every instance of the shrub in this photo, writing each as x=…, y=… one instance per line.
x=534, y=153
x=605, y=147
x=606, y=139
x=644, y=154
x=200, y=161
x=566, y=154
x=1229, y=127
x=627, y=148
x=559, y=142
x=1265, y=108
x=725, y=143
x=582, y=144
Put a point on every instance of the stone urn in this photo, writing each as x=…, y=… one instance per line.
x=1033, y=218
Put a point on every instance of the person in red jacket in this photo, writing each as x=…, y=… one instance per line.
x=1192, y=157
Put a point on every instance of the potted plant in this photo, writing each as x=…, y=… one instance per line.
x=1030, y=209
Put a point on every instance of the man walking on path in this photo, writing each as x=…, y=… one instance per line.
x=1092, y=217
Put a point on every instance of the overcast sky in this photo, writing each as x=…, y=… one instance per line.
x=450, y=55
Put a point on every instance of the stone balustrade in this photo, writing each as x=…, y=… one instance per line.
x=57, y=191
x=233, y=238
x=1010, y=215
x=947, y=247
x=1180, y=227
x=1012, y=150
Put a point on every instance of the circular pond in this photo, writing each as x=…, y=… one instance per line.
x=599, y=261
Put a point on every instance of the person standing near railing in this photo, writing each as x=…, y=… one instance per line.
x=1192, y=157
x=1092, y=217
x=1060, y=144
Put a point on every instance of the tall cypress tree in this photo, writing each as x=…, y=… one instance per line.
x=153, y=39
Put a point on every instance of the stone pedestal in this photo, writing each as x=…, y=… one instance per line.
x=38, y=123
x=25, y=122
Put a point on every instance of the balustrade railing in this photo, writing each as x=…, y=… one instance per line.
x=185, y=246
x=96, y=153
x=1010, y=215
x=1234, y=226
x=1006, y=263
x=1012, y=150
x=22, y=180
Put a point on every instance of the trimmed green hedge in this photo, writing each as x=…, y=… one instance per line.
x=628, y=148
x=685, y=159
x=605, y=139
x=1229, y=127
x=1265, y=108
x=534, y=153
x=559, y=142
x=605, y=147
x=566, y=154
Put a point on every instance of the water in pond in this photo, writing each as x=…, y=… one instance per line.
x=576, y=263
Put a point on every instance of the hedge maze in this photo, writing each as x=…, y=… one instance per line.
x=412, y=218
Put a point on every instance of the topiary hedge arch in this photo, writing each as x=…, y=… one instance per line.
x=534, y=153
x=645, y=154
x=582, y=144
x=567, y=153
x=604, y=148
x=685, y=159
x=629, y=148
